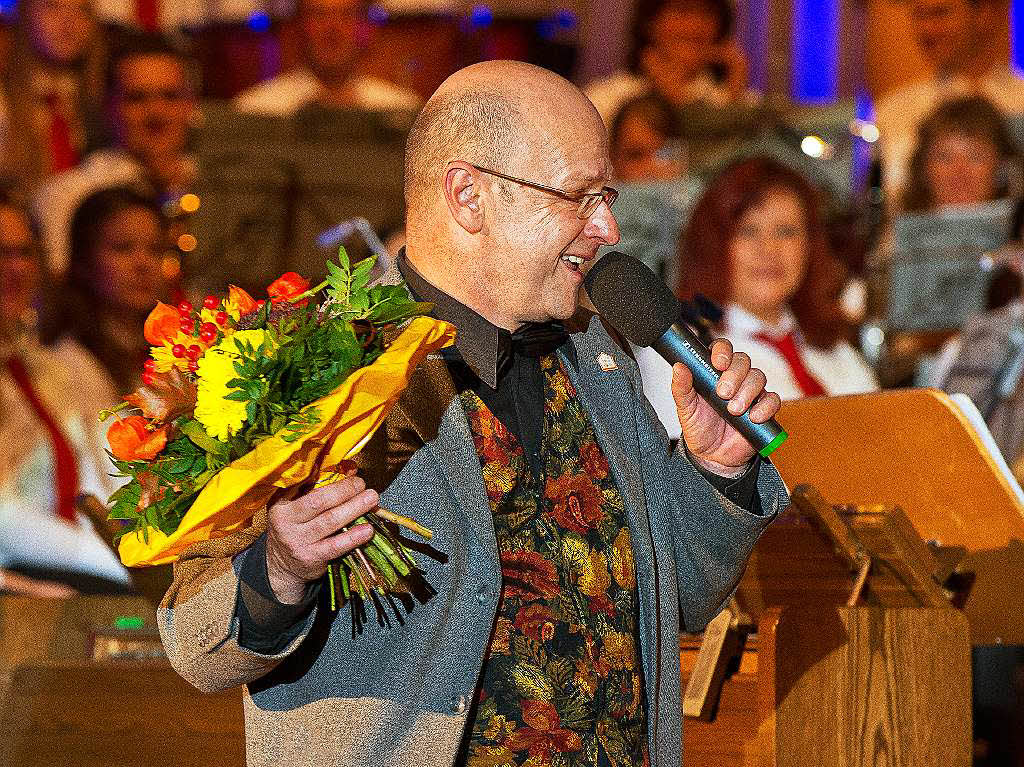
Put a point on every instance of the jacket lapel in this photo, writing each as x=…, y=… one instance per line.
x=611, y=405
x=429, y=414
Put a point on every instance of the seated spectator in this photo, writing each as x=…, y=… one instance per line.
x=757, y=246
x=983, y=357
x=645, y=141
x=655, y=193
x=957, y=38
x=151, y=106
x=964, y=156
x=114, y=279
x=685, y=54
x=331, y=40
x=51, y=92
x=51, y=441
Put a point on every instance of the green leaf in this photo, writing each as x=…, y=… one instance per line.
x=180, y=466
x=195, y=432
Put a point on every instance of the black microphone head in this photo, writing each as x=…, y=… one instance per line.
x=631, y=297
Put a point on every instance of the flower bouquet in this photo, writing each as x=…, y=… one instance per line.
x=244, y=399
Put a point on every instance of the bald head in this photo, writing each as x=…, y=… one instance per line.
x=493, y=114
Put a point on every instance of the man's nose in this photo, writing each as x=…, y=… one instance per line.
x=602, y=225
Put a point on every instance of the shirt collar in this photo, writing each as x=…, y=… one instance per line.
x=738, y=319
x=477, y=341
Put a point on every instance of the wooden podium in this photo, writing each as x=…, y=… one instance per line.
x=916, y=449
x=843, y=645
x=831, y=663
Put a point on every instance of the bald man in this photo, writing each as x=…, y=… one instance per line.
x=571, y=541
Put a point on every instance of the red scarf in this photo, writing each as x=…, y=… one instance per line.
x=786, y=346
x=65, y=464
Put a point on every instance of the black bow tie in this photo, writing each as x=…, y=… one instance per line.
x=534, y=339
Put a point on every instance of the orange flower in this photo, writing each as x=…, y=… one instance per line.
x=162, y=325
x=130, y=440
x=539, y=714
x=240, y=300
x=287, y=287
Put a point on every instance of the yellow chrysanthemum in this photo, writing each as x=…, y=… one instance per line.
x=164, y=356
x=219, y=416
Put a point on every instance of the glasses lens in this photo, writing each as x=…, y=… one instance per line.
x=588, y=205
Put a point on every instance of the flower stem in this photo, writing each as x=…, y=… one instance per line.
x=332, y=586
x=406, y=522
x=105, y=414
x=309, y=293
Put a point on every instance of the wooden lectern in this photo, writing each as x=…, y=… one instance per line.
x=834, y=663
x=83, y=682
x=917, y=449
x=843, y=645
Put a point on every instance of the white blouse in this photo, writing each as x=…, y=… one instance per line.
x=839, y=370
x=74, y=388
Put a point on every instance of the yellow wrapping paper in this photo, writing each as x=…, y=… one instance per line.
x=348, y=418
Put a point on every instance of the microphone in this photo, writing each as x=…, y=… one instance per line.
x=641, y=307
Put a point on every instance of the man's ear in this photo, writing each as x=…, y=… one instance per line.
x=462, y=193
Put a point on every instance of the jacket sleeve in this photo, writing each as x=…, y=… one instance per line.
x=711, y=534
x=202, y=616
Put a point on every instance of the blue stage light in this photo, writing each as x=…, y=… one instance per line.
x=481, y=16
x=815, y=51
x=1017, y=34
x=566, y=18
x=259, y=21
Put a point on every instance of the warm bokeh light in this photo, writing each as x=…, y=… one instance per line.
x=189, y=203
x=170, y=268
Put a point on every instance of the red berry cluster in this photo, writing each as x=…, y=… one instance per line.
x=208, y=333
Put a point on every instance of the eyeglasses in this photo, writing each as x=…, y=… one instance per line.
x=588, y=202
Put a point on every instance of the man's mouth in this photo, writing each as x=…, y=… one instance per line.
x=574, y=262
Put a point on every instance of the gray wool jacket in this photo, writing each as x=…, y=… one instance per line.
x=399, y=694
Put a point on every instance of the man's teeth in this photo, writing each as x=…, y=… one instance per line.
x=573, y=260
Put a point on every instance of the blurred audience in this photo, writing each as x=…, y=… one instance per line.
x=51, y=91
x=984, y=367
x=756, y=244
x=685, y=53
x=114, y=279
x=151, y=106
x=655, y=193
x=332, y=38
x=645, y=141
x=957, y=37
x=964, y=156
x=173, y=17
x=51, y=441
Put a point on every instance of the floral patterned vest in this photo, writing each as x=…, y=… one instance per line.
x=562, y=682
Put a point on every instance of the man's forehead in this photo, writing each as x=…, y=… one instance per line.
x=576, y=148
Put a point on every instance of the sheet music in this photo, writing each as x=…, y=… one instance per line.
x=973, y=415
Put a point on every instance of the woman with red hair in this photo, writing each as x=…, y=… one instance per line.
x=757, y=246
